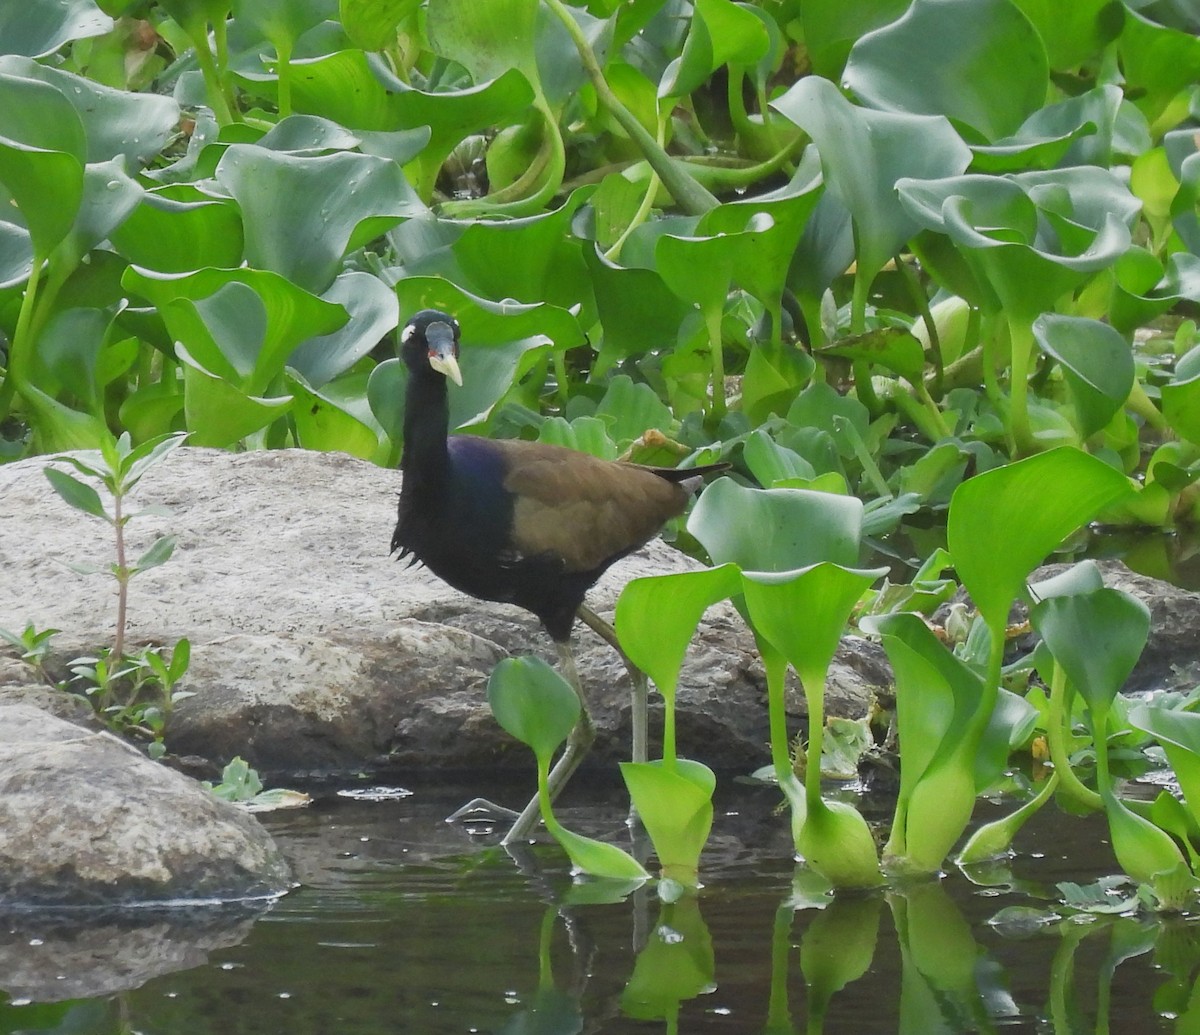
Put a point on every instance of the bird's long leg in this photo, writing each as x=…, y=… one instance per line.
x=637, y=679
x=579, y=741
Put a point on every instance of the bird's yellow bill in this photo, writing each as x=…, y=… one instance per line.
x=445, y=363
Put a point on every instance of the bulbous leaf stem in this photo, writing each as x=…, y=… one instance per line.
x=689, y=195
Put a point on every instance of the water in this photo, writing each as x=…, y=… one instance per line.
x=404, y=923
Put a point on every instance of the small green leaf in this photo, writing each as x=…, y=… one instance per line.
x=804, y=613
x=159, y=553
x=181, y=656
x=721, y=33
x=772, y=464
x=156, y=664
x=630, y=409
x=533, y=703
x=153, y=451
x=597, y=858
x=76, y=493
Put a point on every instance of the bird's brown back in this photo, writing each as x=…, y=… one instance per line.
x=581, y=508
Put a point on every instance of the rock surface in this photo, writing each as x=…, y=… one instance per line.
x=86, y=819
x=313, y=652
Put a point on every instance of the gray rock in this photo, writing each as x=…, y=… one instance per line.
x=313, y=652
x=50, y=699
x=85, y=819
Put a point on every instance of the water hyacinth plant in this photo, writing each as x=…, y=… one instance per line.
x=902, y=289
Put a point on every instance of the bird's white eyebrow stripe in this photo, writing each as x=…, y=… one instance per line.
x=407, y=333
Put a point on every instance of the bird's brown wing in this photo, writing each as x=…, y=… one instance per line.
x=580, y=508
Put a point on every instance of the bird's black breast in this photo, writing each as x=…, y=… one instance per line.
x=457, y=520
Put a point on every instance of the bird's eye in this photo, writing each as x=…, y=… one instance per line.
x=408, y=332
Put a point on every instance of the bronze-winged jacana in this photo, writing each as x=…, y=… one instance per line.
x=521, y=522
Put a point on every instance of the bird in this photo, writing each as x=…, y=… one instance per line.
x=520, y=522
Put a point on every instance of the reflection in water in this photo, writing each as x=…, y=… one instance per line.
x=406, y=925
x=549, y=1011
x=73, y=954
x=837, y=948
x=676, y=965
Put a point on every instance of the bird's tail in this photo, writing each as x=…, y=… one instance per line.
x=690, y=479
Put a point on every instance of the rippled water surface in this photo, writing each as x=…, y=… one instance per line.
x=404, y=923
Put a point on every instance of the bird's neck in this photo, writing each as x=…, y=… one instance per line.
x=426, y=415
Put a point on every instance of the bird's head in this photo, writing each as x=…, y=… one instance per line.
x=431, y=336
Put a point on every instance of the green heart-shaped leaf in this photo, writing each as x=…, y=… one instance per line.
x=1097, y=637
x=864, y=153
x=988, y=71
x=656, y=618
x=721, y=33
x=303, y=213
x=116, y=123
x=1031, y=507
x=804, y=613
x=218, y=412
x=1097, y=364
x=775, y=529
x=175, y=229
x=41, y=27
x=533, y=703
x=675, y=806
x=374, y=312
